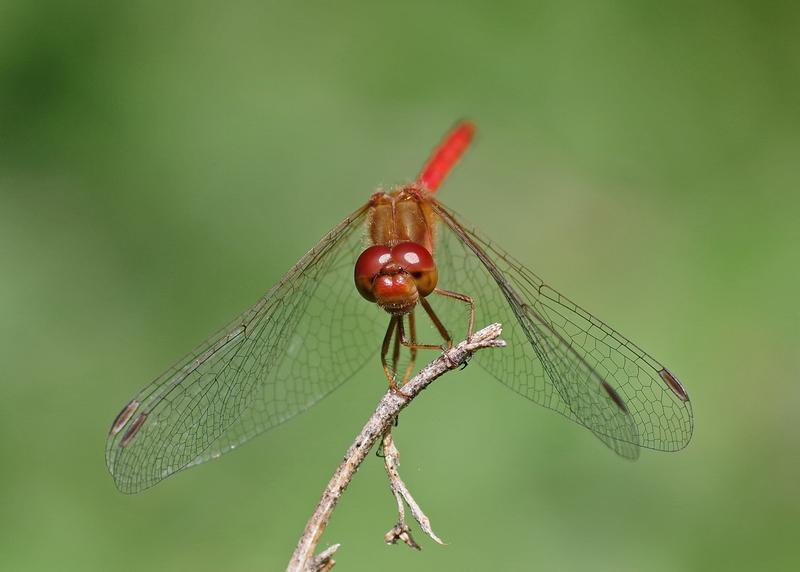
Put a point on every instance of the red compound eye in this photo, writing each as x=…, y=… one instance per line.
x=417, y=261
x=368, y=266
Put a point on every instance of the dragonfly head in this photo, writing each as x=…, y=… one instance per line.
x=396, y=277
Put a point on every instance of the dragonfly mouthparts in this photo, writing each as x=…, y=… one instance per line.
x=395, y=291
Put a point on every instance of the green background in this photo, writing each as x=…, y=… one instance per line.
x=163, y=163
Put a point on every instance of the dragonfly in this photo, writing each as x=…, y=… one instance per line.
x=416, y=260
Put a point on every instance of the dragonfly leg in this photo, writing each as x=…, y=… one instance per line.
x=396, y=350
x=463, y=298
x=395, y=329
x=437, y=322
x=439, y=326
x=387, y=340
x=412, y=331
x=411, y=344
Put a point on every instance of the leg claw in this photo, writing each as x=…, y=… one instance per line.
x=397, y=391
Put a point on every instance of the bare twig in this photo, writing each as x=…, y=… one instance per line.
x=324, y=561
x=391, y=460
x=377, y=426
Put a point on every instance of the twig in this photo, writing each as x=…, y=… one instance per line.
x=377, y=425
x=324, y=561
x=400, y=531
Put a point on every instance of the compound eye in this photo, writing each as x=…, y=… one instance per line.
x=413, y=257
x=417, y=261
x=368, y=266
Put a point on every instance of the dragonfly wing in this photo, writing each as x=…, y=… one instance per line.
x=559, y=355
x=301, y=341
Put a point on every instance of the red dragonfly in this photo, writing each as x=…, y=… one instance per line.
x=311, y=332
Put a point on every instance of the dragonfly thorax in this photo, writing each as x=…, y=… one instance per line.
x=395, y=278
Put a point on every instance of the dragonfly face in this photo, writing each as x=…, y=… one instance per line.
x=395, y=278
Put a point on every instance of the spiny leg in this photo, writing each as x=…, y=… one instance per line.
x=463, y=298
x=396, y=350
x=437, y=322
x=413, y=347
x=439, y=326
x=387, y=340
x=411, y=344
x=412, y=330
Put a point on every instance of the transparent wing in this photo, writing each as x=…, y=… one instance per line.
x=302, y=340
x=559, y=355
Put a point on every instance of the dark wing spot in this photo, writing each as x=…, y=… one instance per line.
x=673, y=383
x=123, y=416
x=612, y=393
x=133, y=429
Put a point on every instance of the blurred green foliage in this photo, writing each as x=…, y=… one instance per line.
x=162, y=164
